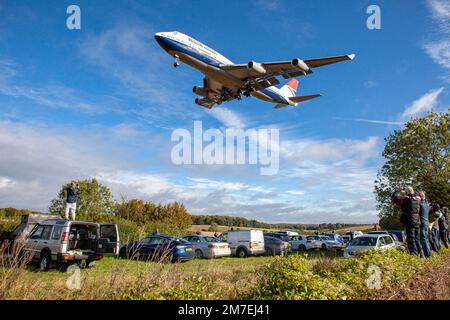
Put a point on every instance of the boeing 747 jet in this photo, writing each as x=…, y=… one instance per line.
x=226, y=81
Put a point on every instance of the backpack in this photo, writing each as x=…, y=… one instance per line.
x=411, y=205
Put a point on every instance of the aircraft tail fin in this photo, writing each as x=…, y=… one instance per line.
x=290, y=88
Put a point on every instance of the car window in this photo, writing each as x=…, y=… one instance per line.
x=381, y=241
x=195, y=239
x=147, y=240
x=42, y=232
x=159, y=240
x=37, y=234
x=224, y=237
x=388, y=240
x=57, y=231
x=311, y=238
x=211, y=239
x=364, y=241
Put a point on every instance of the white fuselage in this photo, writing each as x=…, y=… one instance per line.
x=209, y=61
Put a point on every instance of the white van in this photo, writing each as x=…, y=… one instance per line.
x=244, y=243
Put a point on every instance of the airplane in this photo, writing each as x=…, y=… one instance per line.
x=226, y=81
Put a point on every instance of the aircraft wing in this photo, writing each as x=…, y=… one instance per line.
x=282, y=68
x=215, y=90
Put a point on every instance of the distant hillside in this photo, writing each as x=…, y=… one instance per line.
x=243, y=222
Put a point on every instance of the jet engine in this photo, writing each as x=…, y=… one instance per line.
x=200, y=91
x=256, y=68
x=300, y=65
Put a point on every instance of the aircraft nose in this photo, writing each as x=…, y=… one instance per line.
x=162, y=41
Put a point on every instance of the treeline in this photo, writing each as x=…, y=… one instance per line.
x=13, y=212
x=243, y=222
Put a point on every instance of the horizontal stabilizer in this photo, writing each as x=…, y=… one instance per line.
x=304, y=98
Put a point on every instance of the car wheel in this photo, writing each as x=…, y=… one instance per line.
x=44, y=262
x=122, y=253
x=242, y=253
x=324, y=246
x=302, y=247
x=199, y=254
x=269, y=252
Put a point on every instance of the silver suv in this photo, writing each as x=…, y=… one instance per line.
x=64, y=242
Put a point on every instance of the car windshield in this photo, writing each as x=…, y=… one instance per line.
x=180, y=240
x=211, y=239
x=364, y=241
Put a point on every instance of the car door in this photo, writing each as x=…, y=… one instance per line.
x=196, y=242
x=389, y=242
x=38, y=240
x=109, y=240
x=381, y=244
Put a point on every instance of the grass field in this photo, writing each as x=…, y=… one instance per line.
x=114, y=278
x=312, y=275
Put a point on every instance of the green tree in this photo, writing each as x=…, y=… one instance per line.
x=417, y=156
x=94, y=202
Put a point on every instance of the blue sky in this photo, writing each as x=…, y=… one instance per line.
x=103, y=101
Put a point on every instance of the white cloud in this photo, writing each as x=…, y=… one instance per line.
x=422, y=105
x=440, y=9
x=36, y=161
x=439, y=51
x=228, y=117
x=438, y=47
x=5, y=182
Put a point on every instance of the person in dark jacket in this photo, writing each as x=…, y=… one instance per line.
x=424, y=225
x=435, y=215
x=409, y=204
x=71, y=201
x=443, y=228
x=445, y=213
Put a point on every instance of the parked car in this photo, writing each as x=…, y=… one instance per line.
x=64, y=242
x=368, y=242
x=398, y=235
x=159, y=248
x=209, y=247
x=278, y=235
x=275, y=246
x=327, y=243
x=303, y=243
x=335, y=236
x=288, y=233
x=244, y=243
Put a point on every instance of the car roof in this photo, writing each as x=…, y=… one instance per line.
x=372, y=235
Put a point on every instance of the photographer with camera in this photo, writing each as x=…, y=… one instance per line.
x=71, y=201
x=409, y=205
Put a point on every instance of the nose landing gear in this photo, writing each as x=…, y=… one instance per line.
x=176, y=64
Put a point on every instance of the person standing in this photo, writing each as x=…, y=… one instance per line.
x=71, y=200
x=424, y=225
x=443, y=228
x=445, y=212
x=409, y=204
x=434, y=234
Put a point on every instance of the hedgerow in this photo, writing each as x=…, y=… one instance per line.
x=294, y=277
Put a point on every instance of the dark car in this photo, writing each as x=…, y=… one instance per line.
x=275, y=246
x=158, y=248
x=277, y=235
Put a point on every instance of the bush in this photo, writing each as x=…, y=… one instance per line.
x=294, y=277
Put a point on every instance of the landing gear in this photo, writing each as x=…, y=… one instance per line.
x=176, y=64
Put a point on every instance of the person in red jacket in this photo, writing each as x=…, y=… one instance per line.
x=409, y=205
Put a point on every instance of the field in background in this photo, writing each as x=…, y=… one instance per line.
x=204, y=229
